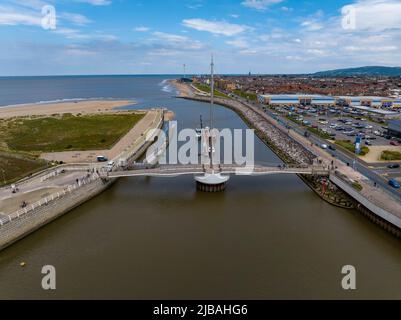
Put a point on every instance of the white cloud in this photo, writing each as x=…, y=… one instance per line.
x=377, y=15
x=312, y=25
x=177, y=41
x=71, y=33
x=11, y=17
x=75, y=18
x=238, y=43
x=141, y=29
x=215, y=27
x=260, y=5
x=96, y=2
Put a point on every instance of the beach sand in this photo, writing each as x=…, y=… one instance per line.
x=83, y=107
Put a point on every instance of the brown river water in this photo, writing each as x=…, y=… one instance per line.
x=157, y=238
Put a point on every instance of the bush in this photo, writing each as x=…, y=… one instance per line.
x=347, y=144
x=388, y=155
x=357, y=186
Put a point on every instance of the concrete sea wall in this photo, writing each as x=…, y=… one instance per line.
x=26, y=221
x=37, y=218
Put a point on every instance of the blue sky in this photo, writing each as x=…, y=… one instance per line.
x=159, y=36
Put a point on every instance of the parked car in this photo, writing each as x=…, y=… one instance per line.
x=324, y=146
x=368, y=143
x=102, y=159
x=332, y=148
x=394, y=143
x=394, y=183
x=393, y=166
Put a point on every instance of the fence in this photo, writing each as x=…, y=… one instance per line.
x=32, y=208
x=46, y=201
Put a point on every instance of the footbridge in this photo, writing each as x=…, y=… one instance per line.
x=216, y=175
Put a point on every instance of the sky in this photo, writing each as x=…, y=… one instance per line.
x=74, y=37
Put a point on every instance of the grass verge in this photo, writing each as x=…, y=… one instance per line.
x=246, y=95
x=14, y=168
x=205, y=88
x=346, y=144
x=388, y=155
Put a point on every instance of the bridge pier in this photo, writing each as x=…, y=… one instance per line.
x=211, y=188
x=212, y=182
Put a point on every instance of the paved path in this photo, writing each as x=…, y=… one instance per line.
x=178, y=170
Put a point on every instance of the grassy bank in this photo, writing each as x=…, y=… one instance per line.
x=14, y=168
x=205, y=88
x=66, y=133
x=246, y=95
x=348, y=145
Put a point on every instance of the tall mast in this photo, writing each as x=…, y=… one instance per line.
x=211, y=93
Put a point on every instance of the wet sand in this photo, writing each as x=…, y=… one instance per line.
x=83, y=107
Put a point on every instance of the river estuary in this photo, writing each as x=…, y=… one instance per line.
x=153, y=238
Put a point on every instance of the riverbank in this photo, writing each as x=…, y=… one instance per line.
x=291, y=147
x=78, y=186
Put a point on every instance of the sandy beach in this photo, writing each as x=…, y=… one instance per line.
x=83, y=107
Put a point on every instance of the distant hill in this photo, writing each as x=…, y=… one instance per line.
x=362, y=71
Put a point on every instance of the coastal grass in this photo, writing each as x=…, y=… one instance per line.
x=388, y=155
x=205, y=88
x=357, y=186
x=348, y=145
x=67, y=132
x=246, y=95
x=14, y=168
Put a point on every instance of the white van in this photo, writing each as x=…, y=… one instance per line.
x=110, y=166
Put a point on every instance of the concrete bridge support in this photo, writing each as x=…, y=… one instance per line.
x=212, y=182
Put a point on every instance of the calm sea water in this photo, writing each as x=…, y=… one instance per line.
x=264, y=238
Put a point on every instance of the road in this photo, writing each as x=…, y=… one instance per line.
x=339, y=154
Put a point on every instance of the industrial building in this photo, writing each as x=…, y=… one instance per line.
x=394, y=128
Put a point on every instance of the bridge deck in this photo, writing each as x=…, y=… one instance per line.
x=180, y=170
